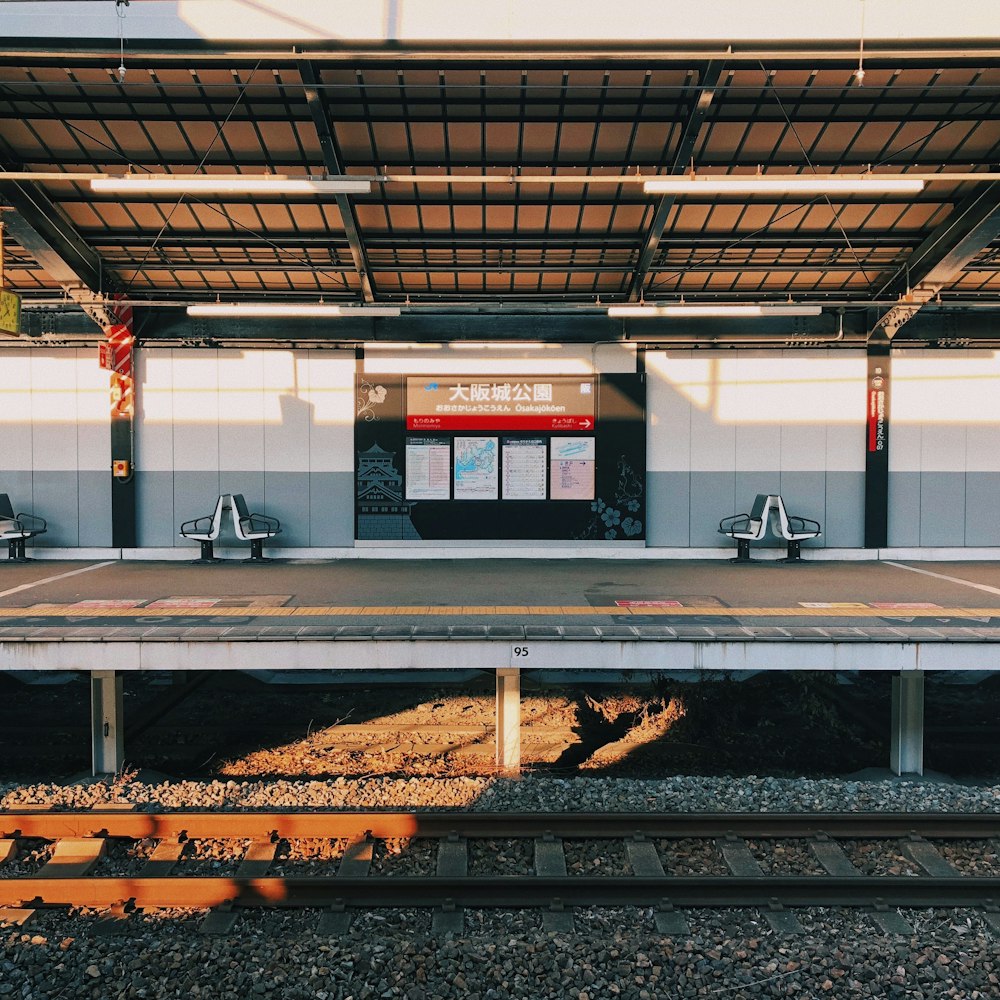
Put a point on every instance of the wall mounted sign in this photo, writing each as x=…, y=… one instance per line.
x=555, y=403
x=512, y=457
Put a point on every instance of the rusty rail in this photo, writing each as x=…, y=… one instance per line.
x=129, y=824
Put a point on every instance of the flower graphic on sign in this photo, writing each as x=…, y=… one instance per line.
x=369, y=397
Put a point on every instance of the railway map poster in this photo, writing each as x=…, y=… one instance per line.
x=524, y=468
x=476, y=468
x=428, y=469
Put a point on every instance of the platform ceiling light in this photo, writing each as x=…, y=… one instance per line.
x=810, y=184
x=284, y=310
x=199, y=184
x=644, y=310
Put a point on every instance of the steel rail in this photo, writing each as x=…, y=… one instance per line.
x=55, y=825
x=504, y=891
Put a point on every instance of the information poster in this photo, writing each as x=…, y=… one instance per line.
x=571, y=468
x=524, y=463
x=428, y=469
x=476, y=468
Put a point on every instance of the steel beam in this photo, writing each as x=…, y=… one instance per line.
x=682, y=157
x=942, y=256
x=320, y=112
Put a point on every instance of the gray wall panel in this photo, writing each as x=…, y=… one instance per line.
x=95, y=508
x=286, y=497
x=904, y=509
x=942, y=508
x=843, y=527
x=157, y=525
x=57, y=499
x=195, y=494
x=668, y=508
x=331, y=505
x=713, y=497
x=982, y=506
x=16, y=483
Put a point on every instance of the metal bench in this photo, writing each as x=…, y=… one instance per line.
x=794, y=529
x=747, y=528
x=205, y=530
x=16, y=529
x=253, y=528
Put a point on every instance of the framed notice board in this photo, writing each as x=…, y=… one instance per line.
x=500, y=457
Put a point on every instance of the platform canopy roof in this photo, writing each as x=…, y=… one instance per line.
x=507, y=146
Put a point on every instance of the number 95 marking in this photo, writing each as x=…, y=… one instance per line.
x=518, y=652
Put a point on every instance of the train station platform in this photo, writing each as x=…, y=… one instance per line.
x=504, y=616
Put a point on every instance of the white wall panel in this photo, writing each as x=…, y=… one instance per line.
x=15, y=409
x=93, y=408
x=982, y=447
x=196, y=410
x=942, y=448
x=53, y=410
x=905, y=447
x=154, y=427
x=671, y=379
x=753, y=389
x=330, y=394
x=473, y=359
x=241, y=410
x=287, y=413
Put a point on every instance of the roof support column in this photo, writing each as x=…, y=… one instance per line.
x=906, y=754
x=107, y=727
x=877, y=445
x=509, y=719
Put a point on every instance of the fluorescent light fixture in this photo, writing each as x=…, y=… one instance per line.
x=197, y=184
x=798, y=184
x=722, y=309
x=287, y=310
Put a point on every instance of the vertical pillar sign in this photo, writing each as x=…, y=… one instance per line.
x=877, y=448
x=115, y=355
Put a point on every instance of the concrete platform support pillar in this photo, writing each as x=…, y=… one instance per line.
x=509, y=718
x=107, y=724
x=906, y=755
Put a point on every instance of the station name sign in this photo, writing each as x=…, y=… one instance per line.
x=558, y=403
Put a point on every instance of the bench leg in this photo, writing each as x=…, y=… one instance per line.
x=15, y=550
x=742, y=550
x=257, y=549
x=794, y=551
x=207, y=550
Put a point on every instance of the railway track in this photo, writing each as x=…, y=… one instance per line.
x=77, y=841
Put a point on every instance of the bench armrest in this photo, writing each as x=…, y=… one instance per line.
x=261, y=522
x=738, y=522
x=799, y=524
x=198, y=524
x=29, y=522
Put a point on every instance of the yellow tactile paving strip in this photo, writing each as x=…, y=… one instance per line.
x=459, y=610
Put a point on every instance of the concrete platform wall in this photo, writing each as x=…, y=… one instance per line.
x=726, y=425
x=944, y=448
x=55, y=451
x=276, y=426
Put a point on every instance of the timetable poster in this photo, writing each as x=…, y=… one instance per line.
x=476, y=468
x=524, y=468
x=428, y=469
x=571, y=468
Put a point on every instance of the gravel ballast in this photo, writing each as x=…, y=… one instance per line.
x=616, y=953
